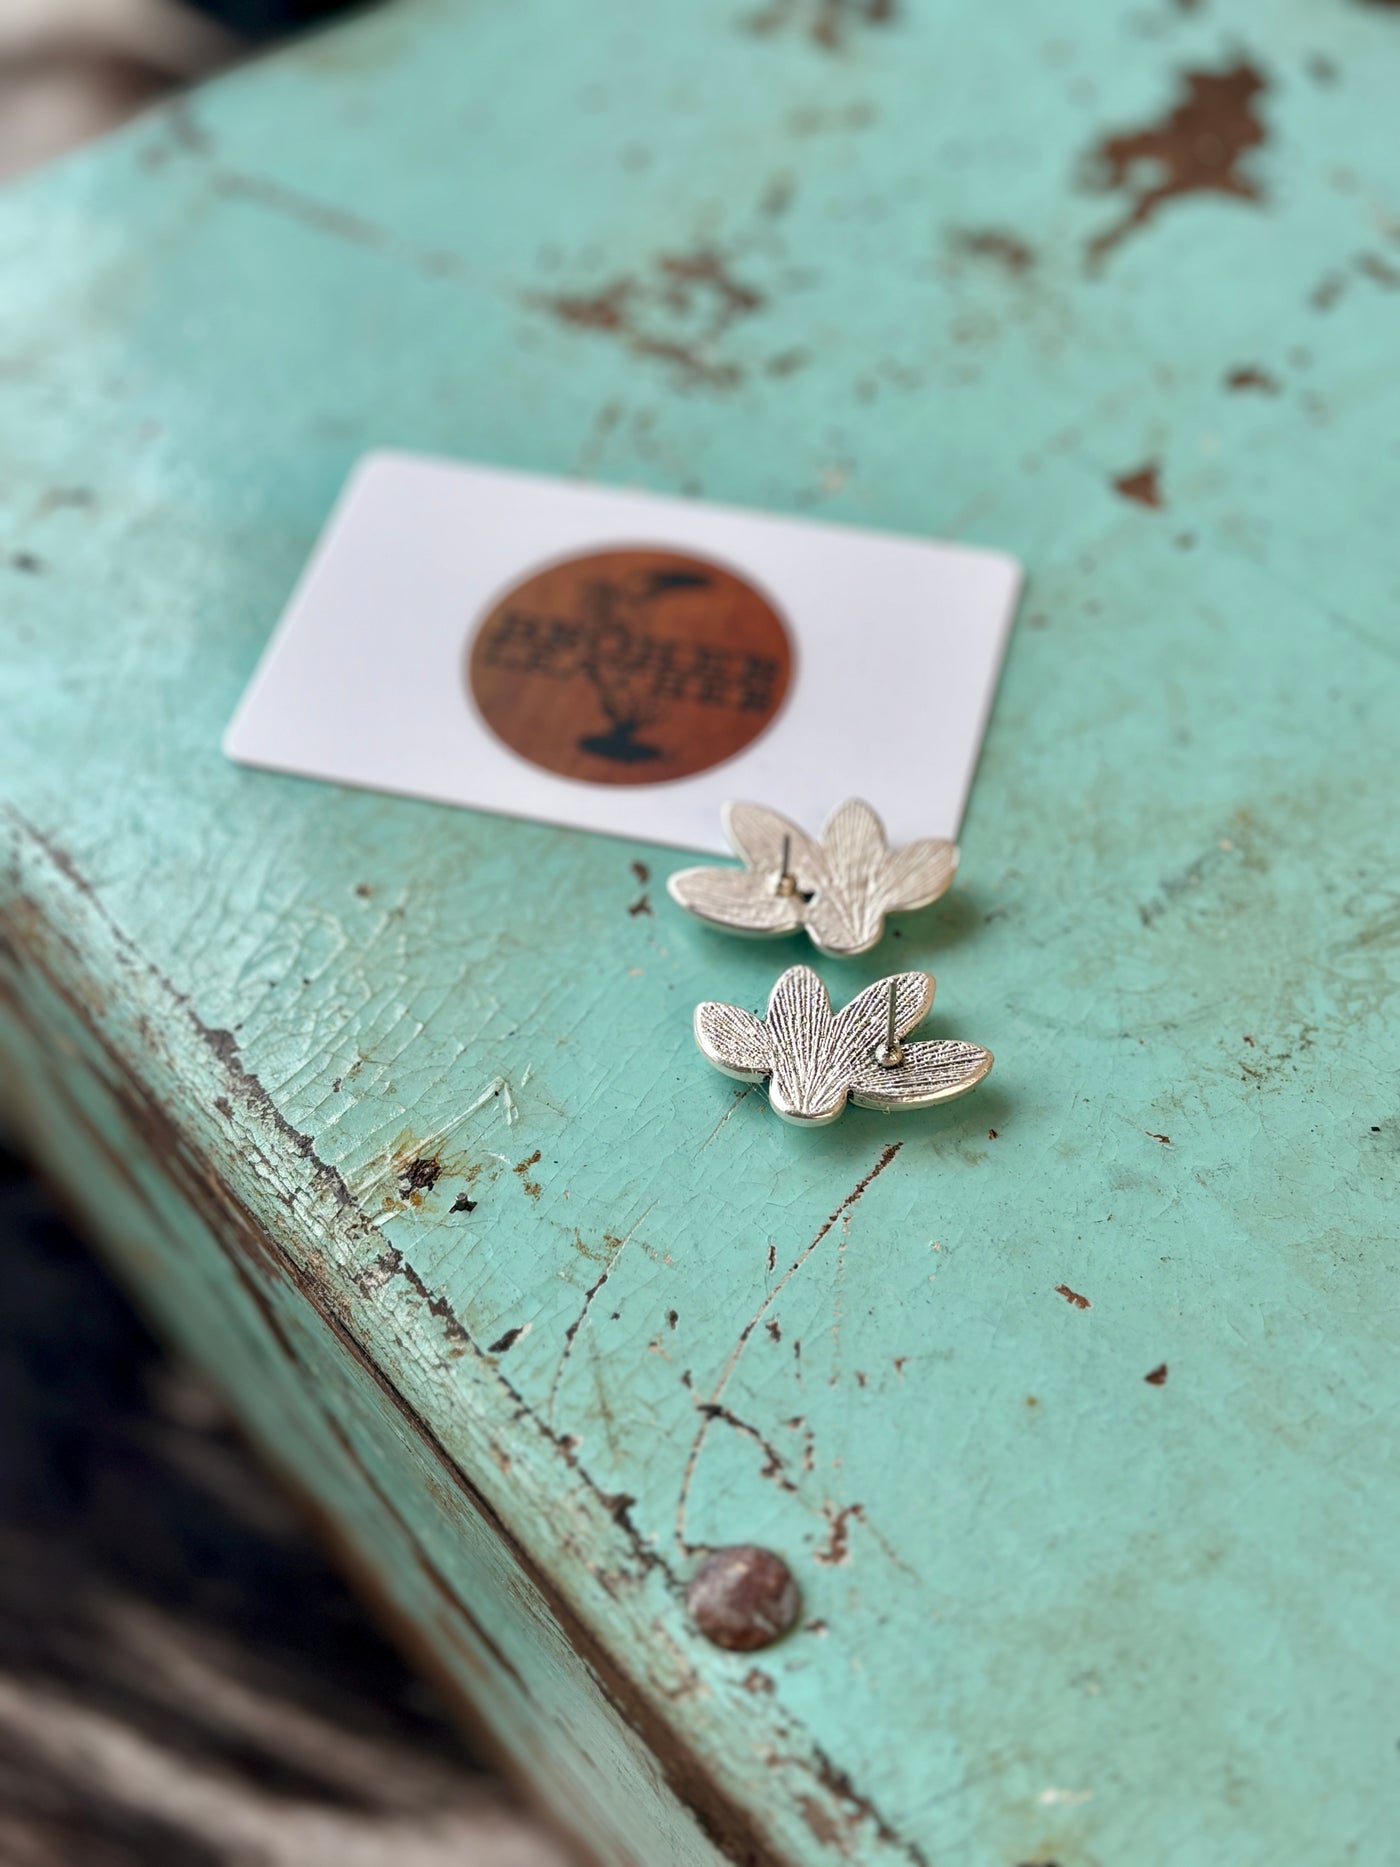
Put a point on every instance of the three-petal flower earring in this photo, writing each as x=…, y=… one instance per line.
x=839, y=888
x=814, y=1060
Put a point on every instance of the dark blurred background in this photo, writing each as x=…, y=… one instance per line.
x=71, y=69
x=184, y=1681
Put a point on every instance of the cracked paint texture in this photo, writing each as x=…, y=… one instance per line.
x=393, y=1112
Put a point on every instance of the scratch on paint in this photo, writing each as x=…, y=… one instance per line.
x=727, y=1115
x=571, y=1333
x=857, y=1192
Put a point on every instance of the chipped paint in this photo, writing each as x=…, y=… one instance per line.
x=1200, y=146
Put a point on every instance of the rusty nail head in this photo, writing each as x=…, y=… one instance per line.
x=743, y=1598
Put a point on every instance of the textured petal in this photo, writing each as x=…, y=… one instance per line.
x=843, y=921
x=862, y=1027
x=734, y=1040
x=930, y=1073
x=847, y=914
x=739, y=900
x=799, y=1012
x=854, y=835
x=756, y=833
x=919, y=873
x=809, y=1084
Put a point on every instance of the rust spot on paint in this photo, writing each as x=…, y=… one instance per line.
x=1004, y=249
x=1072, y=1296
x=1197, y=148
x=642, y=905
x=642, y=873
x=1158, y=1376
x=1250, y=376
x=1142, y=485
x=743, y=1598
x=991, y=1134
x=837, y=1548
x=760, y=1683
x=678, y=313
x=1326, y=293
x=706, y=268
x=506, y=1341
x=1379, y=270
x=522, y=1167
x=774, y=1329
x=418, y=1176
x=413, y=1169
x=828, y=23
x=1165, y=1139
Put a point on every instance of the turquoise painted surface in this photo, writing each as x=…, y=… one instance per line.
x=1060, y=1612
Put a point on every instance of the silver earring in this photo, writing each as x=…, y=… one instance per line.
x=839, y=888
x=813, y=1060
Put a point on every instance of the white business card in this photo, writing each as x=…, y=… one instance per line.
x=615, y=661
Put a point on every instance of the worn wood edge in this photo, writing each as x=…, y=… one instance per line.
x=321, y=1527
x=52, y=917
x=61, y=1114
x=253, y=1258
x=363, y=1582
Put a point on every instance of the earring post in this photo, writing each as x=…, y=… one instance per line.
x=890, y=1054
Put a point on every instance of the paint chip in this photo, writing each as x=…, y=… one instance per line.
x=1073, y=1297
x=1143, y=485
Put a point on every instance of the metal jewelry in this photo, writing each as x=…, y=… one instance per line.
x=813, y=1060
x=840, y=888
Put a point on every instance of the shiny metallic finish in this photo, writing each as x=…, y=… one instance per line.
x=814, y=1060
x=839, y=888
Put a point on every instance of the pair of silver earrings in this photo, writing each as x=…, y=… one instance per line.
x=839, y=888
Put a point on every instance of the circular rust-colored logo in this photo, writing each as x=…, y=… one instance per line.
x=630, y=666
